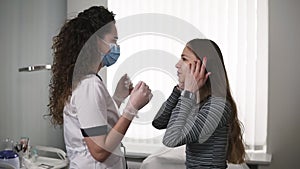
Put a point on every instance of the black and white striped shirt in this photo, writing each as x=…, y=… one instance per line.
x=203, y=127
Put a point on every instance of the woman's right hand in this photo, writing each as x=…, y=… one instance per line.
x=140, y=95
x=195, y=75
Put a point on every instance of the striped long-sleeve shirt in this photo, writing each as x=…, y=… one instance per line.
x=203, y=127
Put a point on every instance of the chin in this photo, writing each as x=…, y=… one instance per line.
x=180, y=80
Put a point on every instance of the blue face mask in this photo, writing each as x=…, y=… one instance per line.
x=112, y=56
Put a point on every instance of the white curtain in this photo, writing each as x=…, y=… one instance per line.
x=239, y=27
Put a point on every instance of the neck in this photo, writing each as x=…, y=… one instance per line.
x=100, y=67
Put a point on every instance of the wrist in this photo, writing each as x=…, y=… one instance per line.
x=130, y=111
x=179, y=88
x=128, y=116
x=118, y=99
x=188, y=94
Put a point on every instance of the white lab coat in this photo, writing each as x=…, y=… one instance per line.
x=90, y=108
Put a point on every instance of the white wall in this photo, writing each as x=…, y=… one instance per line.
x=76, y=6
x=26, y=31
x=284, y=81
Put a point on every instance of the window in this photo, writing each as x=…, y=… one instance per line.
x=152, y=35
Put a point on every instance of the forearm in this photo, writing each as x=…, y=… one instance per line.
x=162, y=117
x=118, y=101
x=188, y=125
x=181, y=124
x=101, y=147
x=116, y=134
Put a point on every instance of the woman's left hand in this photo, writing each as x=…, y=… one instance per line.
x=195, y=76
x=123, y=88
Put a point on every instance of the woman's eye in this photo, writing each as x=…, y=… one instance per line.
x=184, y=59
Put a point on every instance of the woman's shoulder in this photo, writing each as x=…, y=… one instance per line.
x=88, y=82
x=219, y=106
x=90, y=79
x=216, y=101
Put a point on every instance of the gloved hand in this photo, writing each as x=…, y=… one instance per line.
x=123, y=89
x=140, y=96
x=195, y=75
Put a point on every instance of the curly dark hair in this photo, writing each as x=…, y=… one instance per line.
x=67, y=47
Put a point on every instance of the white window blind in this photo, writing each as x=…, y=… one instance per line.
x=239, y=27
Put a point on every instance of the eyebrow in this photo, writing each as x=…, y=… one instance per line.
x=182, y=55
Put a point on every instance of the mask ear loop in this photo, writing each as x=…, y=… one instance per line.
x=111, y=45
x=101, y=53
x=104, y=41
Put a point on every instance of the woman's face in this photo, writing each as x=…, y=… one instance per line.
x=111, y=37
x=187, y=57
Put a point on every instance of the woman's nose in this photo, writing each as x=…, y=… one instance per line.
x=178, y=64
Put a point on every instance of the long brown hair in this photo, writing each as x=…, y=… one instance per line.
x=67, y=46
x=218, y=85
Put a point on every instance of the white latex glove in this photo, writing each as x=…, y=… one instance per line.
x=140, y=96
x=123, y=89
